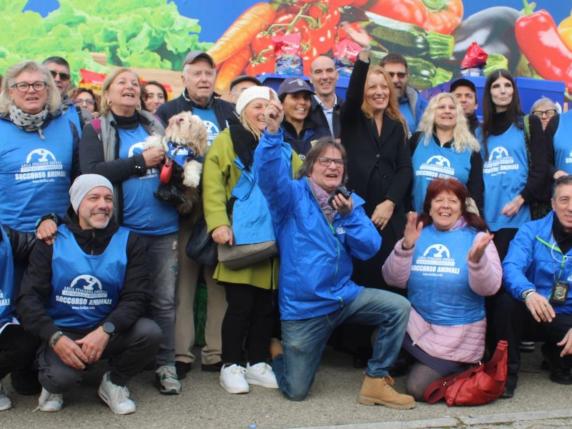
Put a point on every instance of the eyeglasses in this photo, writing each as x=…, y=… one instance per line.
x=549, y=113
x=324, y=161
x=400, y=75
x=25, y=86
x=63, y=76
x=85, y=101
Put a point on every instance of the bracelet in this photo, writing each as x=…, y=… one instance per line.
x=406, y=248
x=527, y=293
x=55, y=338
x=51, y=216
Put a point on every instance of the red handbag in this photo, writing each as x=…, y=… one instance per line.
x=478, y=385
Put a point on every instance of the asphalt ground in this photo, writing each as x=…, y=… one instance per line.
x=538, y=403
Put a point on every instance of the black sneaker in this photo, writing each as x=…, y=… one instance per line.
x=182, y=369
x=561, y=375
x=213, y=367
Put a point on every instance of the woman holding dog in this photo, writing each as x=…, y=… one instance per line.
x=249, y=291
x=448, y=263
x=113, y=146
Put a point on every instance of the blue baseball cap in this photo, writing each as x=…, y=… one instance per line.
x=293, y=85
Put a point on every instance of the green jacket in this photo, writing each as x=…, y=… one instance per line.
x=220, y=175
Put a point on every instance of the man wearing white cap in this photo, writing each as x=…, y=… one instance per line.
x=85, y=297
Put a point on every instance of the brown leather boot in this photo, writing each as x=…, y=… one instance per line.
x=379, y=391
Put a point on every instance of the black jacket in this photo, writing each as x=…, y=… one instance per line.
x=389, y=153
x=22, y=243
x=318, y=116
x=224, y=111
x=36, y=285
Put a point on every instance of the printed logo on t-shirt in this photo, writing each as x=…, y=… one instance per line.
x=137, y=149
x=568, y=159
x=41, y=165
x=499, y=162
x=84, y=292
x=435, y=261
x=4, y=302
x=212, y=131
x=435, y=167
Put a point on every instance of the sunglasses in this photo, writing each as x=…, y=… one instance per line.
x=63, y=76
x=400, y=75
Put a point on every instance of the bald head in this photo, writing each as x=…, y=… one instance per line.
x=324, y=76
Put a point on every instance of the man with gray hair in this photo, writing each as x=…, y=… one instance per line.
x=85, y=297
x=538, y=273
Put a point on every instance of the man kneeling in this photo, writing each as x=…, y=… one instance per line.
x=319, y=231
x=85, y=297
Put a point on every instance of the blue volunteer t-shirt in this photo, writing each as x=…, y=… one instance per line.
x=35, y=173
x=563, y=143
x=405, y=110
x=209, y=119
x=438, y=285
x=433, y=161
x=143, y=213
x=6, y=279
x=505, y=172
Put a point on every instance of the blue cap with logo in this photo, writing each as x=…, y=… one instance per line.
x=293, y=85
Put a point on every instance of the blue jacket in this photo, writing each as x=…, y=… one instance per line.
x=534, y=262
x=315, y=256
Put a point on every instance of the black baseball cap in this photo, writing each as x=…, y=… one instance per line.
x=244, y=78
x=194, y=56
x=462, y=82
x=293, y=85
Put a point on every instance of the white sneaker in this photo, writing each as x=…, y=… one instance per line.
x=116, y=397
x=232, y=379
x=5, y=402
x=167, y=381
x=50, y=402
x=261, y=374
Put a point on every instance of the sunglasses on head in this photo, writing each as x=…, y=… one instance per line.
x=63, y=76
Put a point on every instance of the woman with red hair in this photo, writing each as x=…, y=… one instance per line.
x=448, y=263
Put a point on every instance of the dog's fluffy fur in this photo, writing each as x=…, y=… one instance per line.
x=185, y=130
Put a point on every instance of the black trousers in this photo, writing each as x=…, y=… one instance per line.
x=551, y=333
x=17, y=349
x=128, y=353
x=248, y=321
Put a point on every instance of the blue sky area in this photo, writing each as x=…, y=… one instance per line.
x=216, y=15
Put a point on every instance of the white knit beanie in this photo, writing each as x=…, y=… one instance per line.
x=253, y=93
x=85, y=183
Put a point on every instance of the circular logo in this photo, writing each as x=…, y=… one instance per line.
x=40, y=155
x=86, y=282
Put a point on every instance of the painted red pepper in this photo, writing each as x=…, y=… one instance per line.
x=538, y=38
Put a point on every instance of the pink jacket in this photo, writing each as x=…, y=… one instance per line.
x=461, y=343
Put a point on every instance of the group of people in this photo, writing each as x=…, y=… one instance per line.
x=404, y=231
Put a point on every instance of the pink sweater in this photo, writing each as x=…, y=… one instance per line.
x=461, y=343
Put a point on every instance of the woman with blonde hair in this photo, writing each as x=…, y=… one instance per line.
x=374, y=135
x=445, y=148
x=249, y=290
x=112, y=146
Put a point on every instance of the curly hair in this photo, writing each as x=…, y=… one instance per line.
x=463, y=139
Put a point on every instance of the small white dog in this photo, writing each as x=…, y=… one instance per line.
x=185, y=137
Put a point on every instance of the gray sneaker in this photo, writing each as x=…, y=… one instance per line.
x=50, y=402
x=116, y=397
x=167, y=381
x=5, y=402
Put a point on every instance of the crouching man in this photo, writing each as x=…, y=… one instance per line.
x=318, y=235
x=85, y=297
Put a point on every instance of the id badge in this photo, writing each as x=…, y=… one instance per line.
x=559, y=293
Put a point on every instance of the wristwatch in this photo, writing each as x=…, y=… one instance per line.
x=54, y=338
x=108, y=328
x=526, y=293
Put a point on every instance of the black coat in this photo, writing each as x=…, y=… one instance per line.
x=379, y=168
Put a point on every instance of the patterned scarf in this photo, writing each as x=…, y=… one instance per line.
x=27, y=121
x=322, y=197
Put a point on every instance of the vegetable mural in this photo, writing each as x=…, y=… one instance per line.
x=286, y=35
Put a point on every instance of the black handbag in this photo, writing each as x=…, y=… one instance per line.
x=201, y=248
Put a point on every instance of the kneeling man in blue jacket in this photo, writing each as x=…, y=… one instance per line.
x=538, y=275
x=317, y=236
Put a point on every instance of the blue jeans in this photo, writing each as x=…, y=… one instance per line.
x=162, y=261
x=304, y=340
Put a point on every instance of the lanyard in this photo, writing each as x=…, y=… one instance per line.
x=554, y=247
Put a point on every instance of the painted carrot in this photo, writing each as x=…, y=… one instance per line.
x=241, y=32
x=230, y=69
